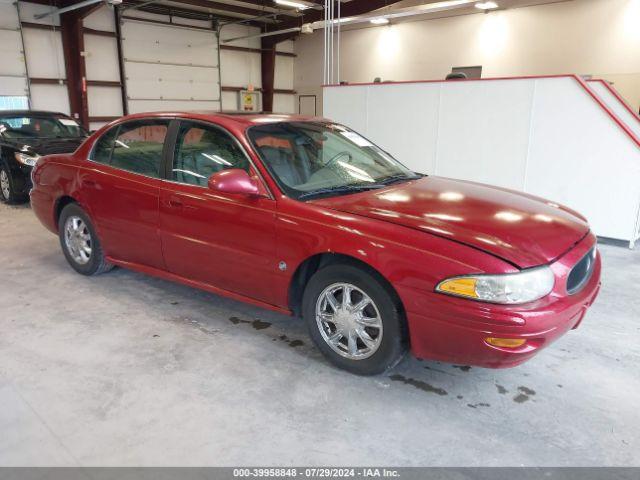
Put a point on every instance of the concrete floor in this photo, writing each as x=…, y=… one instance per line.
x=124, y=369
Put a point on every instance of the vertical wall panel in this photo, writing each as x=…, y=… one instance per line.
x=104, y=101
x=13, y=74
x=101, y=19
x=45, y=59
x=101, y=58
x=284, y=103
x=240, y=69
x=419, y=111
x=102, y=64
x=484, y=131
x=45, y=56
x=284, y=73
x=54, y=98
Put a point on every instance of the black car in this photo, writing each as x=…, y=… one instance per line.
x=25, y=136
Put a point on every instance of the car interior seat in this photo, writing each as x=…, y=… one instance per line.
x=281, y=162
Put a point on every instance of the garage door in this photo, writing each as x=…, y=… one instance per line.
x=45, y=58
x=13, y=72
x=170, y=67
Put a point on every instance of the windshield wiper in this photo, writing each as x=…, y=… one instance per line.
x=399, y=177
x=341, y=189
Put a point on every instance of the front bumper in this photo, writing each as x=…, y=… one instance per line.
x=454, y=330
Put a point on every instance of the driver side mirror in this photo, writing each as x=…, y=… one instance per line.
x=234, y=180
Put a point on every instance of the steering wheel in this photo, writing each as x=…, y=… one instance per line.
x=336, y=157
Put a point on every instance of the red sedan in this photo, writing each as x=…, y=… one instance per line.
x=306, y=217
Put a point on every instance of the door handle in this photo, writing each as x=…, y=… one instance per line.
x=88, y=183
x=175, y=203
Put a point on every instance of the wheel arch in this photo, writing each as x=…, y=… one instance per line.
x=59, y=205
x=312, y=264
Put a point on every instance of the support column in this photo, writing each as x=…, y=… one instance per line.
x=268, y=67
x=73, y=46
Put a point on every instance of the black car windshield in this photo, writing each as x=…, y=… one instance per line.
x=26, y=126
x=314, y=159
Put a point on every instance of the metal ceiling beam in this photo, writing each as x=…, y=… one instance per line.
x=164, y=9
x=268, y=6
x=273, y=4
x=225, y=7
x=69, y=8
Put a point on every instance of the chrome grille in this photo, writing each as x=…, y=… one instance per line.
x=581, y=272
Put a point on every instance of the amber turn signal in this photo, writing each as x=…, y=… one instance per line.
x=462, y=287
x=505, y=342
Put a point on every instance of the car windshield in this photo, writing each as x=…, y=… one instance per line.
x=23, y=126
x=315, y=159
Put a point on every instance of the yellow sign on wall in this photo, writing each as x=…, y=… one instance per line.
x=249, y=101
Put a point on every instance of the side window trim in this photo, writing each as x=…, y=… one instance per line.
x=172, y=138
x=169, y=149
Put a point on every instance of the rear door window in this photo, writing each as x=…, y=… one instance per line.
x=138, y=147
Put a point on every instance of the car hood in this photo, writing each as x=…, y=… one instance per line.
x=525, y=231
x=48, y=146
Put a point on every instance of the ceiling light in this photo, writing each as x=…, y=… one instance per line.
x=380, y=21
x=341, y=20
x=291, y=3
x=486, y=5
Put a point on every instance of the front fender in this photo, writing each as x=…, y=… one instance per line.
x=406, y=258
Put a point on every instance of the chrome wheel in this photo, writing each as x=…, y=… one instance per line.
x=4, y=184
x=77, y=239
x=349, y=321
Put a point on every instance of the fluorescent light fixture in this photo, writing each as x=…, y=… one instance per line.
x=291, y=3
x=380, y=21
x=486, y=5
x=342, y=20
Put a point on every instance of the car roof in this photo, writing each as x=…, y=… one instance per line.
x=239, y=118
x=29, y=113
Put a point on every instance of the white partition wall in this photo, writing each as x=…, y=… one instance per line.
x=614, y=101
x=548, y=136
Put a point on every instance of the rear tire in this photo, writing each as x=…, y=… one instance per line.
x=80, y=243
x=355, y=320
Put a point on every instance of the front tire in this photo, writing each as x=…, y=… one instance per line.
x=355, y=319
x=80, y=243
x=7, y=188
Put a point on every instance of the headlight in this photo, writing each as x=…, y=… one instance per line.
x=510, y=289
x=26, y=159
